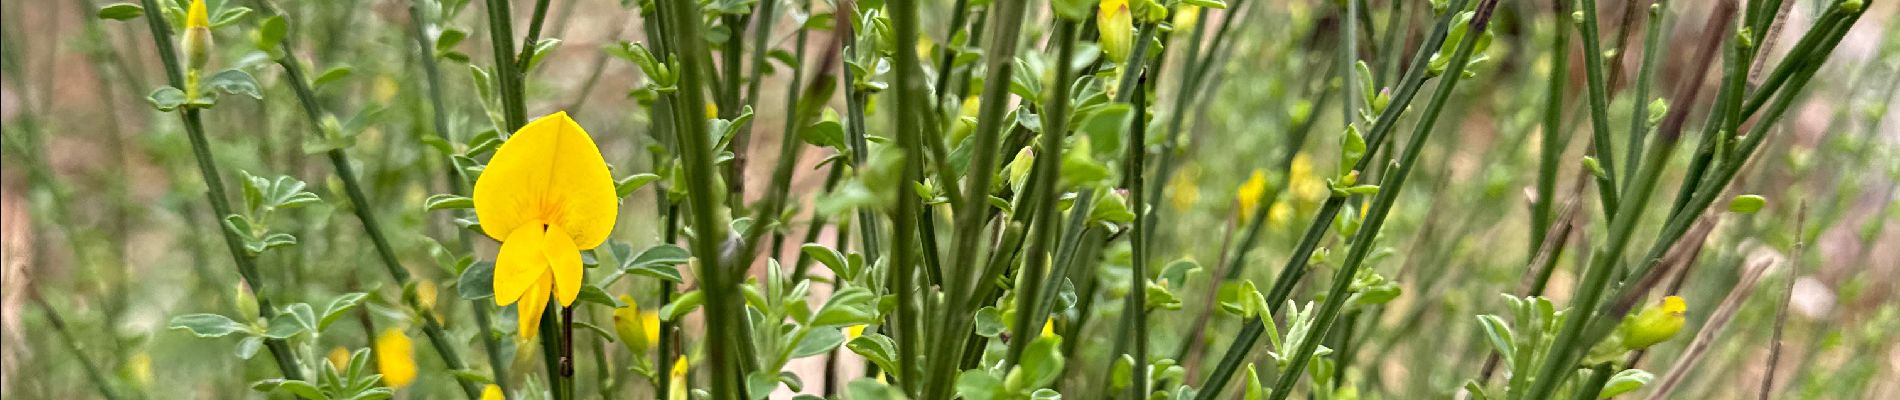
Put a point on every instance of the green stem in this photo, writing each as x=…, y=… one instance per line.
x=214, y=185
x=1599, y=99
x=1645, y=74
x=1552, y=146
x=1044, y=176
x=99, y=380
x=720, y=282
x=508, y=75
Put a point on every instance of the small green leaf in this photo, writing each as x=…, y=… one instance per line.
x=978, y=384
x=878, y=349
x=235, y=82
x=989, y=322
x=337, y=307
x=477, y=282
x=448, y=202
x=1042, y=362
x=330, y=76
x=448, y=39
x=166, y=98
x=849, y=306
x=206, y=325
x=302, y=389
x=1625, y=381
x=630, y=184
x=681, y=305
x=283, y=326
x=593, y=294
x=818, y=341
x=121, y=11
x=829, y=257
x=270, y=33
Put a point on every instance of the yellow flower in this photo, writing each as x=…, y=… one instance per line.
x=1117, y=26
x=712, y=111
x=1250, y=192
x=632, y=326
x=339, y=358
x=492, y=392
x=1048, y=328
x=1654, y=324
x=677, y=379
x=853, y=332
x=546, y=195
x=395, y=358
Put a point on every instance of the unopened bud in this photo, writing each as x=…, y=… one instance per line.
x=197, y=36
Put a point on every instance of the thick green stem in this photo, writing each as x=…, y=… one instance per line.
x=720, y=282
x=971, y=222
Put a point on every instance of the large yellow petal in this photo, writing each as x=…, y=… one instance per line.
x=528, y=311
x=565, y=260
x=550, y=171
x=522, y=262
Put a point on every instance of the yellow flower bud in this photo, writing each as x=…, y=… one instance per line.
x=197, y=36
x=677, y=378
x=853, y=332
x=1019, y=168
x=631, y=327
x=1654, y=324
x=395, y=358
x=492, y=392
x=1117, y=27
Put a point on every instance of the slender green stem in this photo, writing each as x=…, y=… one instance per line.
x=507, y=72
x=1389, y=189
x=1598, y=94
x=99, y=380
x=1551, y=150
x=1043, y=176
x=1137, y=304
x=528, y=42
x=214, y=185
x=1645, y=74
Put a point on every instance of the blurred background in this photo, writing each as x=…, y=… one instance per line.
x=106, y=235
